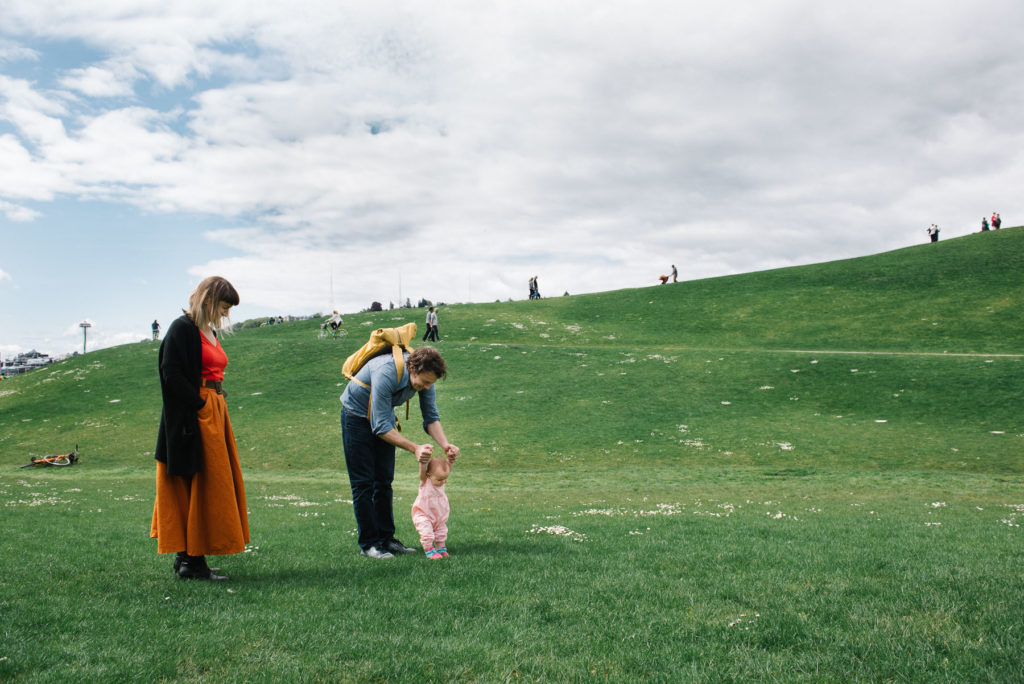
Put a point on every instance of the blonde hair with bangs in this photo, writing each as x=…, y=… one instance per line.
x=203, y=303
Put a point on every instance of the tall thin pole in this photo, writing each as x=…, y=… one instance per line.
x=84, y=325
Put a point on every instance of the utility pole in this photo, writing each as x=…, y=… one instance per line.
x=84, y=325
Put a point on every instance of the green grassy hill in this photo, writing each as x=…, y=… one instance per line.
x=808, y=474
x=584, y=376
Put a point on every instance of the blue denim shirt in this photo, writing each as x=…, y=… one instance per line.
x=385, y=393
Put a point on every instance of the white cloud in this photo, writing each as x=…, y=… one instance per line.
x=10, y=52
x=18, y=214
x=34, y=114
x=112, y=79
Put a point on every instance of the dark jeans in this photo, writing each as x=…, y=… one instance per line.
x=371, y=468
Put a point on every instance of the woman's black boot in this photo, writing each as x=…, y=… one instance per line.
x=195, y=567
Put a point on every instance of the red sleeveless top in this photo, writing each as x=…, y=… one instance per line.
x=214, y=360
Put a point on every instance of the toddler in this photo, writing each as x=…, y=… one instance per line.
x=430, y=510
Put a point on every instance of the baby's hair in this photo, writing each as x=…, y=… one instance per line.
x=439, y=466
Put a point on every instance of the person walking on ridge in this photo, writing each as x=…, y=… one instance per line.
x=431, y=322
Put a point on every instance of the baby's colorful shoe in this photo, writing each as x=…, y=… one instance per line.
x=442, y=550
x=433, y=554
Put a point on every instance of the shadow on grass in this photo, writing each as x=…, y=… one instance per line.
x=356, y=571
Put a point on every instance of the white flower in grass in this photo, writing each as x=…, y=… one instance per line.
x=558, y=530
x=726, y=403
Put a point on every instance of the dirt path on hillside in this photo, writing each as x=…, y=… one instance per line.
x=886, y=353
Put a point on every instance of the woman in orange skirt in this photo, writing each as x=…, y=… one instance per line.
x=200, y=497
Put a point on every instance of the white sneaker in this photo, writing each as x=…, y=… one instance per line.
x=374, y=552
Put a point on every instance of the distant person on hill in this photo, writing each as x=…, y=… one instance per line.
x=156, y=330
x=933, y=232
x=335, y=320
x=534, y=288
x=663, y=279
x=431, y=509
x=200, y=497
x=431, y=333
x=675, y=274
x=984, y=224
x=997, y=221
x=369, y=436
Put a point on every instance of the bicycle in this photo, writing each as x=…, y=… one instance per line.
x=54, y=460
x=334, y=333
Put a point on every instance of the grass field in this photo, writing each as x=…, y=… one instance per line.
x=810, y=474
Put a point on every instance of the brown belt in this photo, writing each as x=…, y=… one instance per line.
x=215, y=385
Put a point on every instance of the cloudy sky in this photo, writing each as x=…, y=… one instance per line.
x=337, y=153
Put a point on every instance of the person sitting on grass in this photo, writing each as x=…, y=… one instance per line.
x=430, y=510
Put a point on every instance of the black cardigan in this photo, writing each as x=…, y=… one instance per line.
x=179, y=444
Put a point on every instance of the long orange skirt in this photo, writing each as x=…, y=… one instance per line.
x=209, y=517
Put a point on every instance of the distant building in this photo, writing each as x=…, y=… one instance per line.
x=23, y=363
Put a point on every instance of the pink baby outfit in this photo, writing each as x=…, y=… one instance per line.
x=430, y=514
